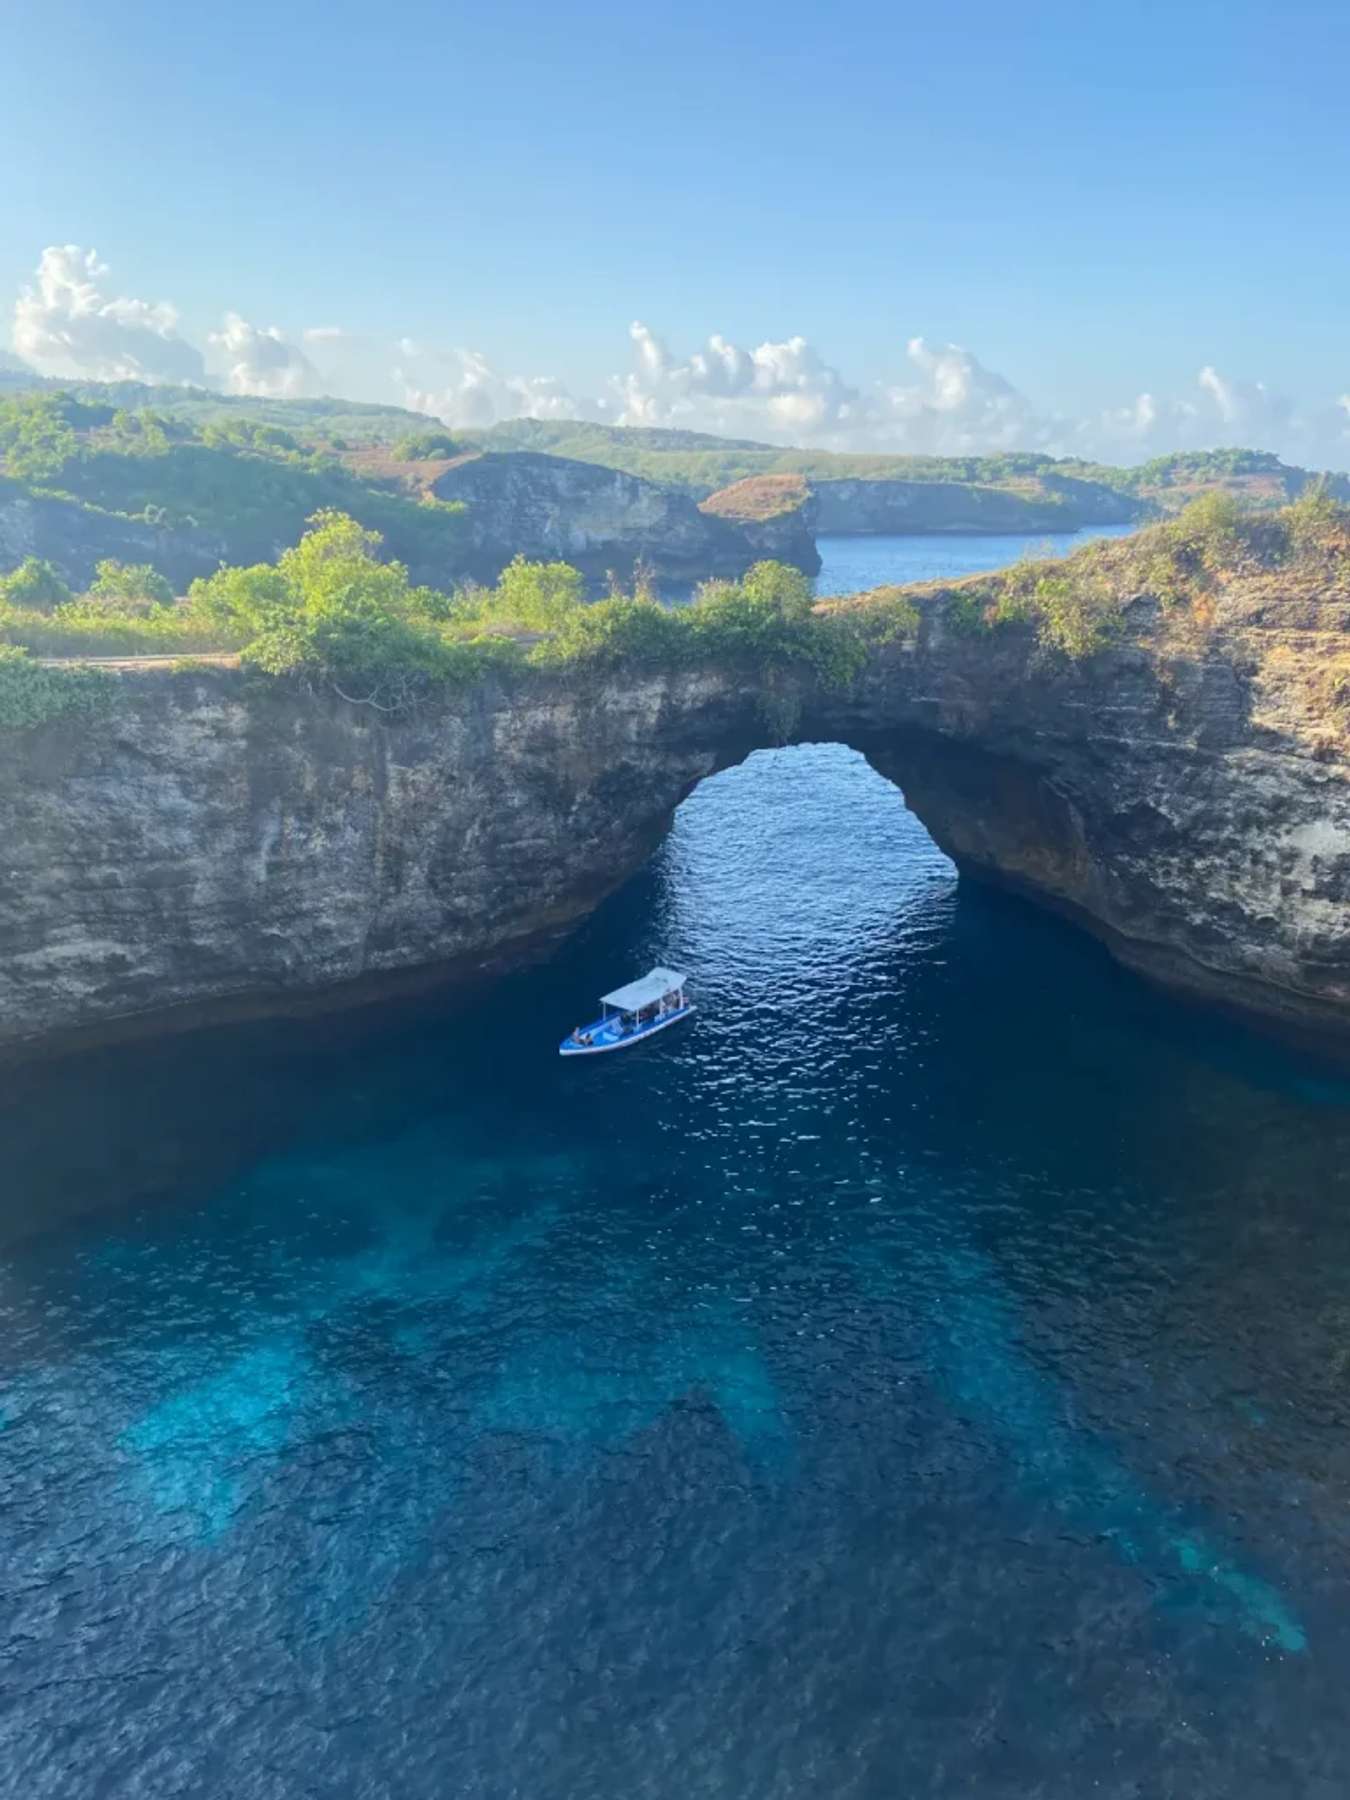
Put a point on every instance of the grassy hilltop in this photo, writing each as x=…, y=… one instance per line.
x=705, y=465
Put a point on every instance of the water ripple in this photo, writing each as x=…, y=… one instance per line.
x=924, y=1372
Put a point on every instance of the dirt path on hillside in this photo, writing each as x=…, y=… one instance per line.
x=213, y=659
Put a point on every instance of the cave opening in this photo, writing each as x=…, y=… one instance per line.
x=801, y=867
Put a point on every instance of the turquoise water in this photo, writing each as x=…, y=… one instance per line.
x=925, y=1372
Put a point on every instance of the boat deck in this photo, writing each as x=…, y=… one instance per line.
x=608, y=1034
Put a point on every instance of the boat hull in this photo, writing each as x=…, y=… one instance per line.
x=603, y=1040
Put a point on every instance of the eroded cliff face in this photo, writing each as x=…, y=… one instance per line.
x=212, y=843
x=601, y=521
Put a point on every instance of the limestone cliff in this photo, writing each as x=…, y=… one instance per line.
x=599, y=520
x=777, y=515
x=213, y=842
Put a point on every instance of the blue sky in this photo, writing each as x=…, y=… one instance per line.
x=1092, y=204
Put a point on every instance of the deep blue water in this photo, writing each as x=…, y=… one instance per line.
x=923, y=1373
x=851, y=564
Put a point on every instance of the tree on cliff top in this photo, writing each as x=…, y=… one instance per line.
x=537, y=596
x=328, y=606
x=35, y=584
x=127, y=587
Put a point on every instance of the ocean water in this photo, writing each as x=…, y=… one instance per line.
x=925, y=1372
x=851, y=564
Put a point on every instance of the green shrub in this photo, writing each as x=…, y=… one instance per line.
x=420, y=445
x=536, y=596
x=1211, y=530
x=1315, y=518
x=330, y=610
x=128, y=587
x=967, y=611
x=34, y=585
x=888, y=613
x=1074, y=614
x=623, y=629
x=33, y=694
x=769, y=618
x=37, y=439
x=1072, y=606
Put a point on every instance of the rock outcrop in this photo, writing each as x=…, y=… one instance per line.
x=212, y=843
x=777, y=515
x=600, y=520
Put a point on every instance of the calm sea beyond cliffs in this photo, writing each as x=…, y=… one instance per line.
x=923, y=1373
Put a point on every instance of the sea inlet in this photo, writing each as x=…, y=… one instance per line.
x=926, y=1372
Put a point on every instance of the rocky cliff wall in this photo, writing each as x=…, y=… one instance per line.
x=601, y=520
x=209, y=843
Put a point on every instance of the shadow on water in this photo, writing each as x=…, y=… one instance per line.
x=923, y=1372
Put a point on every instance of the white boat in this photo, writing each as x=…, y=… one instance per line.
x=632, y=1013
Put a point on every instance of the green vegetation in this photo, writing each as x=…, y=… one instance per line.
x=34, y=585
x=128, y=611
x=704, y=465
x=331, y=612
x=581, y=439
x=418, y=446
x=1317, y=520
x=321, y=421
x=767, y=621
x=247, y=481
x=1078, y=604
x=329, y=608
x=33, y=694
x=85, y=628
x=129, y=587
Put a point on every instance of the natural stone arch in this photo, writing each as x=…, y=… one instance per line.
x=212, y=844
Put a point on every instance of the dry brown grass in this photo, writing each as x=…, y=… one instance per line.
x=417, y=478
x=758, y=497
x=1329, y=689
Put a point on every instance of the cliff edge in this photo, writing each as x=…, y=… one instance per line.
x=1168, y=765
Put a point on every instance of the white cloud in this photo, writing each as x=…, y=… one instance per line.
x=783, y=391
x=779, y=390
x=263, y=361
x=1245, y=405
x=65, y=324
x=956, y=406
x=1219, y=412
x=461, y=388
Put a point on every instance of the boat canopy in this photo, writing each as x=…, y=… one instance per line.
x=646, y=992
